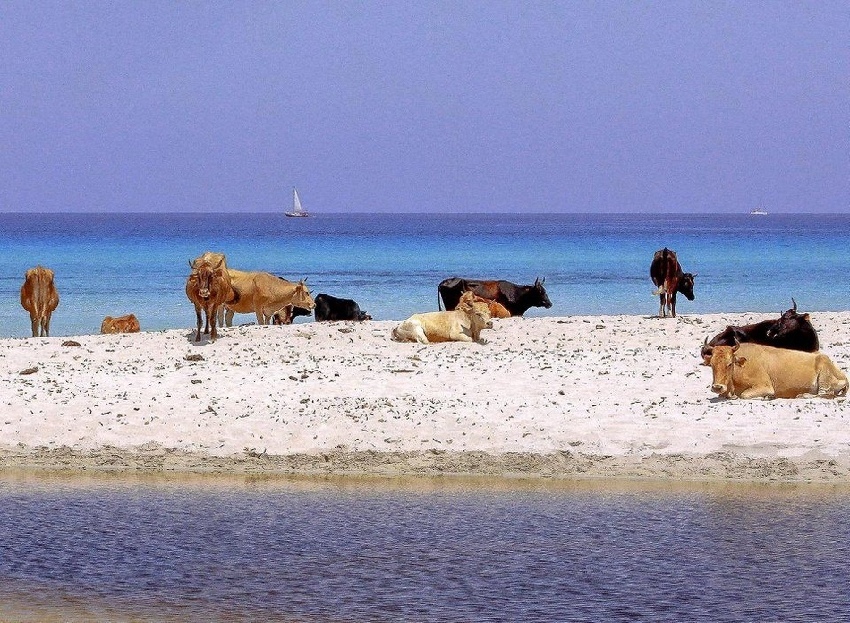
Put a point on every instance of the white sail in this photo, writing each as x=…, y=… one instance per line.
x=297, y=209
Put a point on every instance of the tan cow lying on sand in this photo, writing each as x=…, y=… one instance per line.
x=755, y=371
x=463, y=324
x=39, y=297
x=265, y=295
x=121, y=324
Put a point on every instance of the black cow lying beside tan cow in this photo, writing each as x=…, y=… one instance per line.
x=777, y=358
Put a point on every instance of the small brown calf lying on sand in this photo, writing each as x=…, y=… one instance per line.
x=121, y=324
x=497, y=310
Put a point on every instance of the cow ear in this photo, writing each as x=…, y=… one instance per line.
x=805, y=316
x=739, y=360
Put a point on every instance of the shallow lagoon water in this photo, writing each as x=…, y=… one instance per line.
x=464, y=549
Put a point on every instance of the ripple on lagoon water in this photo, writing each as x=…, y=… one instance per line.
x=357, y=550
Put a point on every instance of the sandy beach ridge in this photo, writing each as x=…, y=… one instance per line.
x=571, y=397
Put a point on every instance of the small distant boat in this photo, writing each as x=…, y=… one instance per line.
x=297, y=209
x=758, y=212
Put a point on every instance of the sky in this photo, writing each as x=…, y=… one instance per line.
x=398, y=106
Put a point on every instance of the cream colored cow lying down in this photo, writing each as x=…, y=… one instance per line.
x=463, y=324
x=755, y=371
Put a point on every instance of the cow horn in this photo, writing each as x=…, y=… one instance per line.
x=794, y=303
x=220, y=262
x=191, y=265
x=705, y=341
x=736, y=346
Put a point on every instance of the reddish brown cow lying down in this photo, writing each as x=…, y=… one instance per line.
x=121, y=324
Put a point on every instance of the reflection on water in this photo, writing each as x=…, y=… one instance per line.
x=466, y=550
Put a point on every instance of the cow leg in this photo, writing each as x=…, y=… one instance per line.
x=211, y=318
x=661, y=305
x=763, y=392
x=198, y=316
x=34, y=321
x=45, y=325
x=228, y=317
x=673, y=303
x=419, y=334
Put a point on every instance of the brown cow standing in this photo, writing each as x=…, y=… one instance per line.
x=121, y=324
x=39, y=297
x=208, y=287
x=668, y=277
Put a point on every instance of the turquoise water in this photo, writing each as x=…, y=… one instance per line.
x=108, y=264
x=364, y=552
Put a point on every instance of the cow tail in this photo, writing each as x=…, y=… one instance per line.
x=439, y=306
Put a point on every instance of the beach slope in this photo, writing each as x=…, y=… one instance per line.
x=592, y=396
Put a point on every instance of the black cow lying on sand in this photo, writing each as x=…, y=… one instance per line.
x=791, y=330
x=516, y=299
x=332, y=308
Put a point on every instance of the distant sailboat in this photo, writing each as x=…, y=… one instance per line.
x=759, y=212
x=297, y=209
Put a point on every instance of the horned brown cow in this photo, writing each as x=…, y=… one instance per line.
x=122, y=324
x=40, y=298
x=755, y=371
x=208, y=287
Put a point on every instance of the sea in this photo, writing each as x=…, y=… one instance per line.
x=113, y=264
x=324, y=550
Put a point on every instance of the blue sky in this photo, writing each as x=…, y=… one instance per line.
x=425, y=106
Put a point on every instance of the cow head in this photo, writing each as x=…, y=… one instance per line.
x=686, y=285
x=730, y=336
x=478, y=312
x=723, y=362
x=208, y=277
x=790, y=322
x=542, y=299
x=301, y=297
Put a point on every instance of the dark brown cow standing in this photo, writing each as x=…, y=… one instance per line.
x=669, y=278
x=39, y=297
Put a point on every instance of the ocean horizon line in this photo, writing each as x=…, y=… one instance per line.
x=314, y=214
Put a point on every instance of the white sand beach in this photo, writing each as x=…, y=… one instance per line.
x=572, y=397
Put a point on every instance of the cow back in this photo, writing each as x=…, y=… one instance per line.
x=38, y=293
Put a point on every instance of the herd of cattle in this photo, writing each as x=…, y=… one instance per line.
x=777, y=358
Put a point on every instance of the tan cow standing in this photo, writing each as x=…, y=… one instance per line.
x=121, y=324
x=39, y=297
x=208, y=287
x=754, y=371
x=267, y=296
x=463, y=324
